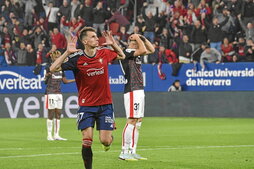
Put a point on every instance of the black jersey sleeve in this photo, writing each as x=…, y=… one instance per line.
x=71, y=61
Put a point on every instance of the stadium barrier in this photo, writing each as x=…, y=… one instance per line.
x=158, y=104
x=21, y=92
x=217, y=77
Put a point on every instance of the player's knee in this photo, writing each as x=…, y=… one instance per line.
x=106, y=141
x=87, y=142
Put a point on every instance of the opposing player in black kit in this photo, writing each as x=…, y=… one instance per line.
x=54, y=98
x=134, y=97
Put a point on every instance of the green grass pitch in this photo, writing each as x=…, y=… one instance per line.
x=168, y=143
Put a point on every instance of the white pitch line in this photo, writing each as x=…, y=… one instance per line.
x=144, y=149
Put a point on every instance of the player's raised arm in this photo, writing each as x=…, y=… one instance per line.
x=111, y=41
x=149, y=46
x=71, y=48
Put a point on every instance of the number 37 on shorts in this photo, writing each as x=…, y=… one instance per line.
x=134, y=103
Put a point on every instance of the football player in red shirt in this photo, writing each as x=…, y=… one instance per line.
x=90, y=68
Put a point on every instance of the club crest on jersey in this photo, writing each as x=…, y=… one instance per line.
x=101, y=60
x=95, y=71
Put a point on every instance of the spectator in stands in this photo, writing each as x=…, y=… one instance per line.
x=86, y=13
x=150, y=22
x=51, y=14
x=185, y=50
x=2, y=22
x=160, y=23
x=5, y=36
x=2, y=58
x=118, y=18
x=167, y=56
x=203, y=8
x=75, y=8
x=76, y=24
x=123, y=34
x=165, y=38
x=210, y=55
x=38, y=35
x=215, y=33
x=239, y=50
x=230, y=27
x=29, y=11
x=58, y=39
x=195, y=56
x=25, y=37
x=43, y=23
x=248, y=11
x=41, y=55
x=21, y=54
x=227, y=51
x=235, y=7
x=140, y=23
x=9, y=54
x=198, y=34
x=6, y=9
x=179, y=8
x=249, y=50
x=100, y=16
x=64, y=10
x=175, y=87
x=30, y=56
x=16, y=36
x=249, y=29
x=136, y=30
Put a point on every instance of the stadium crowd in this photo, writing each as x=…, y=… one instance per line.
x=183, y=31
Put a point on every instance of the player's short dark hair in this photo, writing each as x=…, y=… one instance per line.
x=83, y=32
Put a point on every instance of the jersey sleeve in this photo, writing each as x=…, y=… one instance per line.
x=71, y=62
x=111, y=55
x=129, y=54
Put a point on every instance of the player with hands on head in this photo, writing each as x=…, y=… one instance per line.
x=134, y=97
x=90, y=68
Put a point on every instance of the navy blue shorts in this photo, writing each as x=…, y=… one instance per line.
x=102, y=115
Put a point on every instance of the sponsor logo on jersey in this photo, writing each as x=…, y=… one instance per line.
x=95, y=71
x=17, y=81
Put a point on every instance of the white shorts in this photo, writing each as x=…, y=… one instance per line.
x=54, y=101
x=134, y=103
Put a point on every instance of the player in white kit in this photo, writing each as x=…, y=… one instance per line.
x=134, y=97
x=54, y=98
